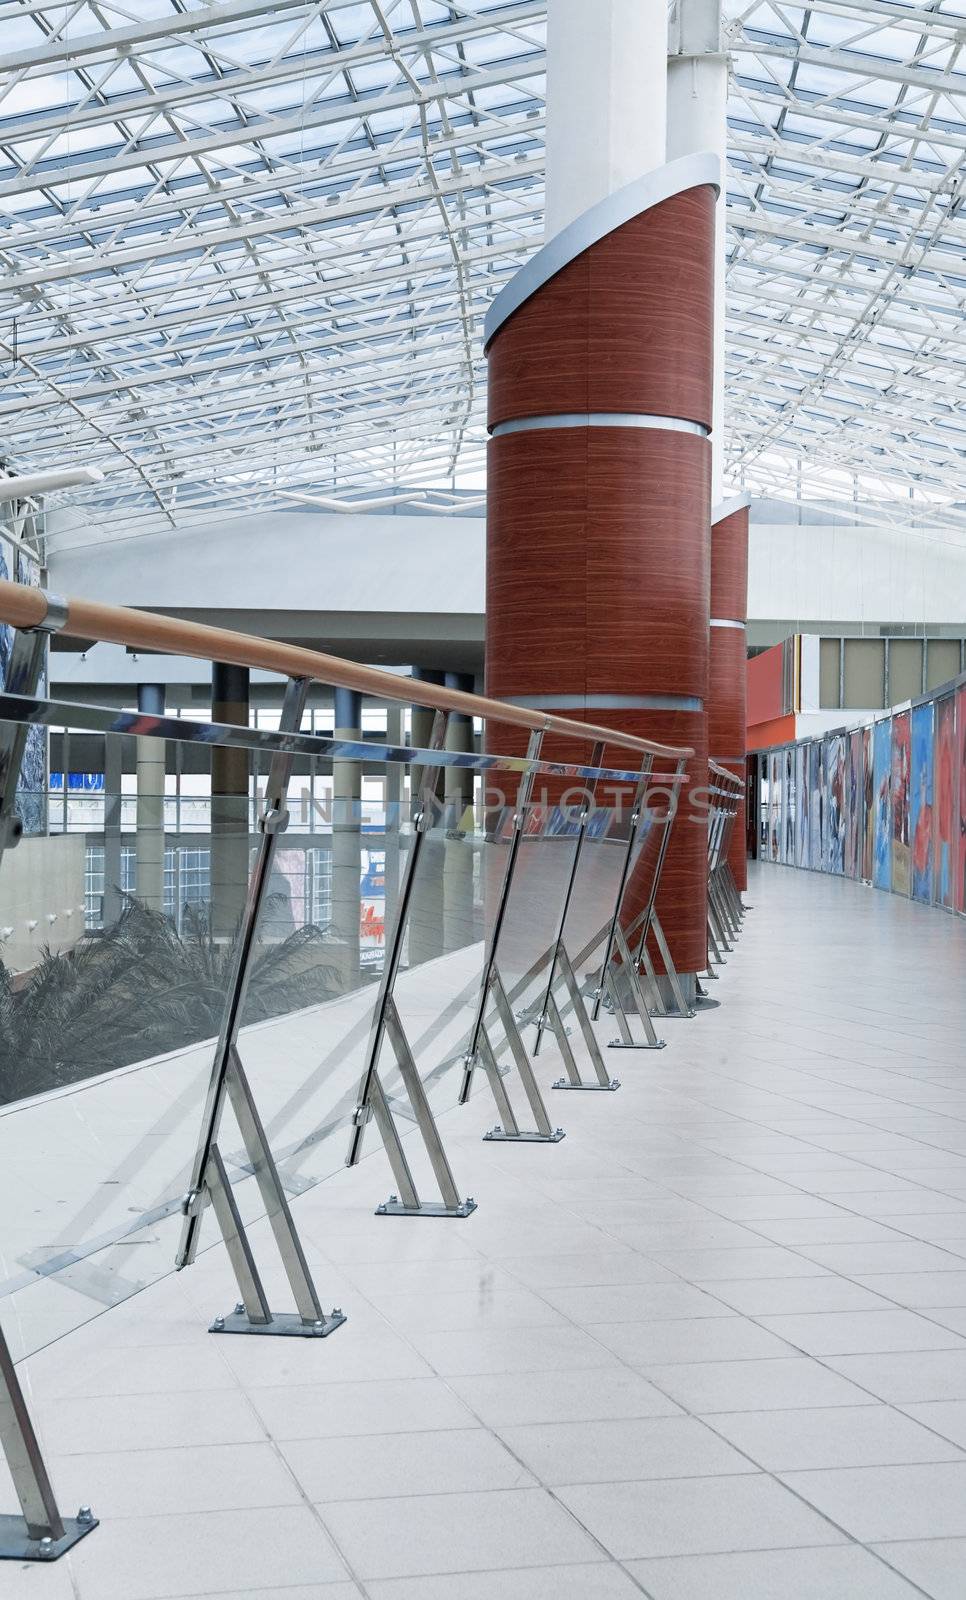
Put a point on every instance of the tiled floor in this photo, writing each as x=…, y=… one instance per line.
x=710, y=1347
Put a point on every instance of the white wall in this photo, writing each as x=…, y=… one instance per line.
x=40, y=878
x=314, y=562
x=834, y=572
x=289, y=561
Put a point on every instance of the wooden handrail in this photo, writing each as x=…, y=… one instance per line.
x=25, y=607
x=723, y=772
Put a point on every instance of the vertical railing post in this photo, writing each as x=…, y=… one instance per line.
x=371, y=1101
x=636, y=817
x=39, y=1533
x=596, y=760
x=228, y=1080
x=479, y=1047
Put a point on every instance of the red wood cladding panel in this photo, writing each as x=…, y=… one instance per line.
x=597, y=563
x=647, y=561
x=726, y=694
x=626, y=326
x=728, y=672
x=729, y=567
x=536, y=624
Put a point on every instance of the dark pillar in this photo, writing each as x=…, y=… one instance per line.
x=230, y=820
x=347, y=837
x=426, y=916
x=458, y=927
x=149, y=836
x=113, y=767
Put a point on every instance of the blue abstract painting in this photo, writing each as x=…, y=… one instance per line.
x=921, y=803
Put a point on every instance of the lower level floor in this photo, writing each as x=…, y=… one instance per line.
x=710, y=1346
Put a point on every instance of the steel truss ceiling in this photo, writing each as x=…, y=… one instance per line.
x=247, y=246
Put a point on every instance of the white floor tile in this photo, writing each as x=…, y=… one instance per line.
x=456, y=1533
x=936, y=1566
x=837, y=1574
x=692, y=1516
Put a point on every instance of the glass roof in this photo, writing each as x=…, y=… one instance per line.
x=249, y=245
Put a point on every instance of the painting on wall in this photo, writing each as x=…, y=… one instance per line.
x=901, y=771
x=835, y=781
x=944, y=810
x=815, y=779
x=854, y=796
x=801, y=819
x=32, y=788
x=800, y=807
x=868, y=806
x=960, y=885
x=921, y=802
x=881, y=781
x=6, y=632
x=790, y=800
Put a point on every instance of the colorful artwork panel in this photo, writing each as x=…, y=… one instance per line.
x=6, y=632
x=854, y=798
x=960, y=812
x=774, y=807
x=32, y=786
x=789, y=801
x=801, y=820
x=944, y=811
x=835, y=779
x=921, y=802
x=815, y=778
x=882, y=803
x=901, y=773
x=868, y=806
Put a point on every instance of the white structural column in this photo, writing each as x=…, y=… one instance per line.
x=697, y=119
x=606, y=100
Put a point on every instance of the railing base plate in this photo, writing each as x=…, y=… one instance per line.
x=395, y=1208
x=16, y=1546
x=619, y=1044
x=589, y=1088
x=284, y=1325
x=497, y=1134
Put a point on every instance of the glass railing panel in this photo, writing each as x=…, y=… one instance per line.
x=441, y=971
x=321, y=940
x=117, y=939
x=535, y=904
x=118, y=934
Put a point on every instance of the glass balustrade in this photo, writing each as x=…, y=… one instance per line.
x=120, y=925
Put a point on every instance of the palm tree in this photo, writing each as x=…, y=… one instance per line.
x=140, y=989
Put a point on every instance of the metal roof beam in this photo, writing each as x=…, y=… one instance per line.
x=153, y=152
x=289, y=68
x=384, y=200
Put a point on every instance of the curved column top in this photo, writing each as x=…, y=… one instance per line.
x=689, y=172
x=729, y=567
x=728, y=508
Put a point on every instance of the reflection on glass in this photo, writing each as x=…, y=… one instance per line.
x=117, y=936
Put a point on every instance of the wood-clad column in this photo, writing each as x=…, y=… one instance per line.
x=728, y=674
x=598, y=506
